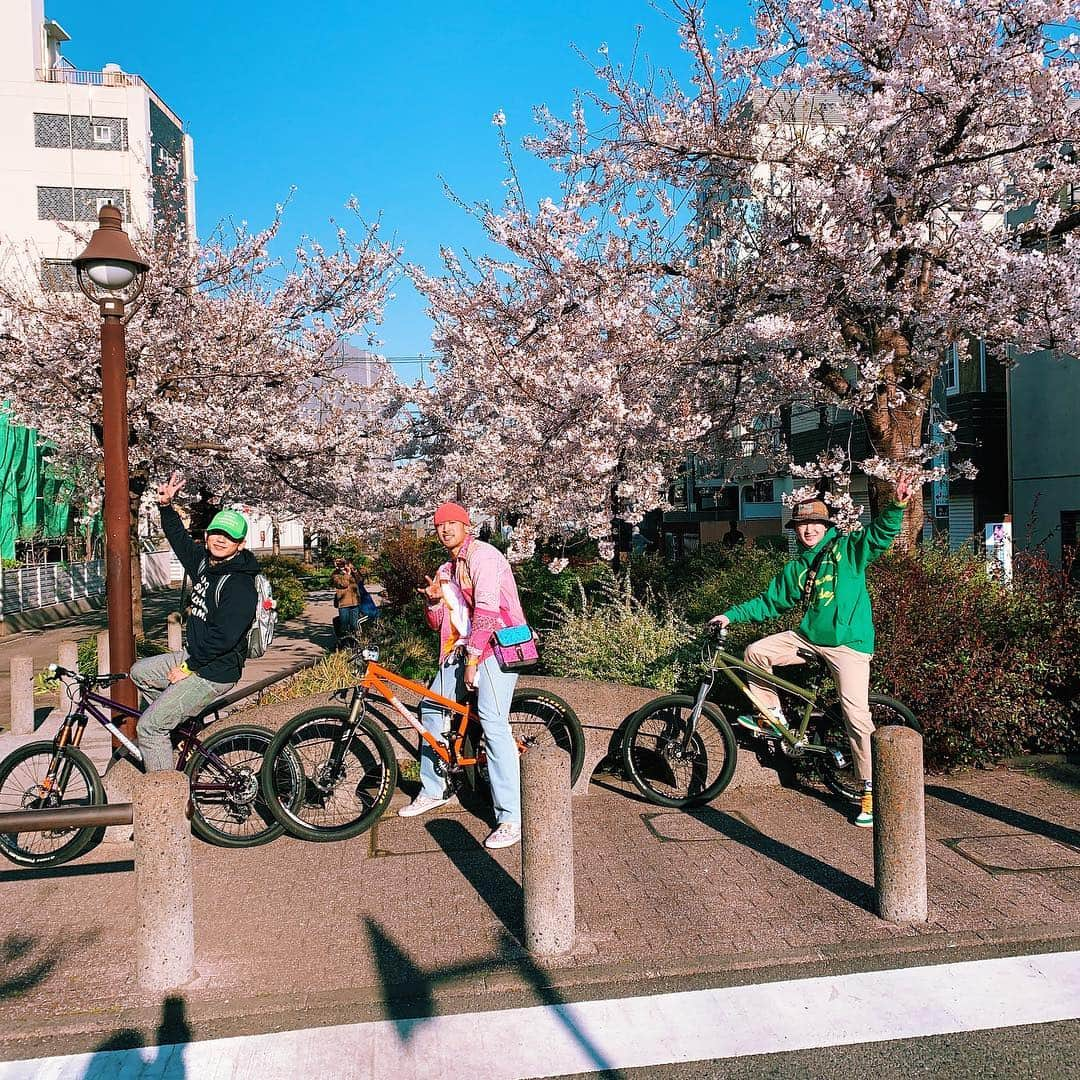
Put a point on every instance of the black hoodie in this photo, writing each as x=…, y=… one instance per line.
x=217, y=628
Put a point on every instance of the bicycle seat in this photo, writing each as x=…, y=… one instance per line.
x=809, y=656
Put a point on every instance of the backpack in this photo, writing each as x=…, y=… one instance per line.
x=261, y=633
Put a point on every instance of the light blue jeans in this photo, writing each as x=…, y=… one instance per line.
x=494, y=691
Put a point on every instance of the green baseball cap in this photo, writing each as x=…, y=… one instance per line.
x=229, y=522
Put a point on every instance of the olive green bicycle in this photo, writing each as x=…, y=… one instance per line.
x=680, y=750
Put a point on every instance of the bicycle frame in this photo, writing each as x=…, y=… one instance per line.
x=380, y=680
x=731, y=667
x=86, y=705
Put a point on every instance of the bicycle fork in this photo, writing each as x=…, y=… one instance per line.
x=695, y=713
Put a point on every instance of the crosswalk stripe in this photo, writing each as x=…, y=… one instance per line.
x=620, y=1033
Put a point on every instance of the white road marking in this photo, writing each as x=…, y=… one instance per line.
x=619, y=1033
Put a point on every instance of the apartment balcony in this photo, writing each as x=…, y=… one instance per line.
x=74, y=77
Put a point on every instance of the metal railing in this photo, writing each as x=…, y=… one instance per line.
x=66, y=817
x=91, y=78
x=31, y=587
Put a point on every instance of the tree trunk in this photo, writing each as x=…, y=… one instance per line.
x=893, y=433
x=275, y=548
x=307, y=548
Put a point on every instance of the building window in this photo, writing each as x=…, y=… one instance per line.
x=761, y=491
x=950, y=370
x=58, y=275
x=102, y=133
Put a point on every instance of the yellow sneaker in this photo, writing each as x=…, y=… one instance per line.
x=865, y=818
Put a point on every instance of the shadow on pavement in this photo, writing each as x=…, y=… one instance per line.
x=24, y=965
x=492, y=883
x=114, y=866
x=170, y=1037
x=837, y=881
x=1005, y=814
x=408, y=995
x=15, y=979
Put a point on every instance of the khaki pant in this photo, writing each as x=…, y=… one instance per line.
x=850, y=671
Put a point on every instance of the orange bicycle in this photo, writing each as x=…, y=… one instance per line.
x=348, y=765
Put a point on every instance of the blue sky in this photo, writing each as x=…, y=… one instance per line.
x=371, y=99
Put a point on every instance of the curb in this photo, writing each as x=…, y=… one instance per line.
x=516, y=985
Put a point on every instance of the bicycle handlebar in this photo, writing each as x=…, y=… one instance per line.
x=56, y=670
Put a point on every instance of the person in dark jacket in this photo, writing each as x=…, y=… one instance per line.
x=181, y=684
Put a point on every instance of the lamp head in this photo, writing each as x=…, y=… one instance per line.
x=109, y=263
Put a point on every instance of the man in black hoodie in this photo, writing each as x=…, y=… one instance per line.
x=181, y=684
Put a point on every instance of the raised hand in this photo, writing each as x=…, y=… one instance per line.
x=905, y=485
x=432, y=590
x=167, y=491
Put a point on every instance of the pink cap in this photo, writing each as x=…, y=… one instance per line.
x=451, y=511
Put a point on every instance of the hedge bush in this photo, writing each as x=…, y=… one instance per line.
x=617, y=637
x=405, y=643
x=544, y=594
x=990, y=671
x=404, y=560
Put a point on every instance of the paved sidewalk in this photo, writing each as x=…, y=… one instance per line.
x=413, y=915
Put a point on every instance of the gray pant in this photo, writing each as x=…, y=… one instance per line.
x=170, y=704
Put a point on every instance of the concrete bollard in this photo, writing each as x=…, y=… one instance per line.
x=103, y=652
x=175, y=632
x=899, y=824
x=121, y=779
x=164, y=895
x=22, y=695
x=547, y=851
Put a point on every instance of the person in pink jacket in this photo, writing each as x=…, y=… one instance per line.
x=471, y=596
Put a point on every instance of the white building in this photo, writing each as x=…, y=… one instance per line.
x=72, y=140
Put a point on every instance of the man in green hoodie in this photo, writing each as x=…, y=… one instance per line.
x=829, y=574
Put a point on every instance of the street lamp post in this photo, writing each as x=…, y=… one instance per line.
x=111, y=274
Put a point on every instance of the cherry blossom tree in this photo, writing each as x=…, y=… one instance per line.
x=570, y=381
x=869, y=181
x=234, y=375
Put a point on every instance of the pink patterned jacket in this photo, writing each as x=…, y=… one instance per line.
x=486, y=581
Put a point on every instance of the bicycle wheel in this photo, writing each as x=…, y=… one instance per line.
x=228, y=807
x=23, y=776
x=664, y=770
x=538, y=718
x=336, y=801
x=843, y=780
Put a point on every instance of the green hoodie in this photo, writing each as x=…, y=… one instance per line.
x=839, y=609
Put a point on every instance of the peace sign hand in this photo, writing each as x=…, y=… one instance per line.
x=167, y=491
x=433, y=590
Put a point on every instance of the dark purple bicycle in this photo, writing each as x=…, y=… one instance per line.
x=227, y=805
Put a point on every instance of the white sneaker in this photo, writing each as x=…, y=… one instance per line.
x=505, y=835
x=422, y=804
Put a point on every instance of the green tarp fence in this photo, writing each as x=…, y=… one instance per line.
x=32, y=498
